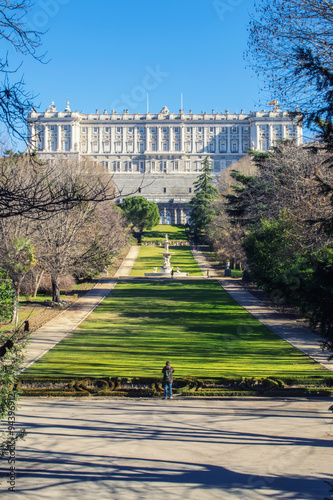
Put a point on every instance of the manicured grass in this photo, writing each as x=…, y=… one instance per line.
x=194, y=324
x=151, y=256
x=175, y=232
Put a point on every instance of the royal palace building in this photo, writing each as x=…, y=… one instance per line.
x=158, y=155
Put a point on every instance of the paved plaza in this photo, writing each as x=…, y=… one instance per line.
x=131, y=449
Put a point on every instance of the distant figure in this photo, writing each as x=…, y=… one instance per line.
x=172, y=272
x=208, y=274
x=167, y=379
x=26, y=326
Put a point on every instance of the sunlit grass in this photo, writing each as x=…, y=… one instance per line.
x=194, y=324
x=151, y=256
x=174, y=232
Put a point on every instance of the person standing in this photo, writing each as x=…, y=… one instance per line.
x=167, y=379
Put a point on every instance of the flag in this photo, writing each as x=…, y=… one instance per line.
x=272, y=102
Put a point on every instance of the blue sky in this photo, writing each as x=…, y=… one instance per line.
x=106, y=54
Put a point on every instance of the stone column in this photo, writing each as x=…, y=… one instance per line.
x=258, y=137
x=59, y=138
x=216, y=140
x=194, y=138
x=283, y=131
x=88, y=139
x=33, y=136
x=112, y=148
x=123, y=131
x=135, y=140
x=182, y=139
x=170, y=139
x=229, y=140
x=158, y=139
x=270, y=136
x=240, y=145
x=175, y=216
x=46, y=138
x=147, y=138
x=205, y=138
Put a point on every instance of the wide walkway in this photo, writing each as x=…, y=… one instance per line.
x=300, y=337
x=131, y=449
x=55, y=330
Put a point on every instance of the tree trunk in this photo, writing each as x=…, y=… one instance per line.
x=55, y=288
x=17, y=287
x=37, y=282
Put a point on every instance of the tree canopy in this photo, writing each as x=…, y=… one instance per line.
x=141, y=213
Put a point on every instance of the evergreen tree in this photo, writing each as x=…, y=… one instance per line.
x=202, y=204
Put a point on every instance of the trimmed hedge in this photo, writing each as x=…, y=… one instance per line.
x=152, y=387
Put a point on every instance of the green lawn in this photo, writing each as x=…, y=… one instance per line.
x=174, y=232
x=151, y=256
x=194, y=324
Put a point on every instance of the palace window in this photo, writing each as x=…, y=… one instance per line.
x=107, y=129
x=212, y=148
x=95, y=129
x=107, y=147
x=130, y=147
x=66, y=144
x=153, y=129
x=246, y=146
x=118, y=147
x=130, y=129
x=177, y=148
x=165, y=146
x=53, y=127
x=199, y=147
x=200, y=129
x=188, y=129
x=190, y=190
x=165, y=130
x=163, y=167
x=188, y=147
x=234, y=147
x=141, y=147
x=94, y=147
x=153, y=166
x=176, y=166
x=211, y=129
x=234, y=130
x=154, y=146
x=128, y=166
x=116, y=166
x=263, y=127
x=245, y=130
x=118, y=129
x=142, y=167
x=141, y=130
x=188, y=166
x=223, y=147
x=177, y=130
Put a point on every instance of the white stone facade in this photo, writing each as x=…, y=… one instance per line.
x=158, y=155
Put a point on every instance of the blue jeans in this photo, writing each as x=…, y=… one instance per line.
x=166, y=385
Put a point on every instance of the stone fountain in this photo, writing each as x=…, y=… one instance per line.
x=166, y=269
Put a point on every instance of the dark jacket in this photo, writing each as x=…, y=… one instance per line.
x=164, y=370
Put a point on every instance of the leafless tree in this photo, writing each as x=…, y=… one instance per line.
x=277, y=31
x=15, y=101
x=36, y=189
